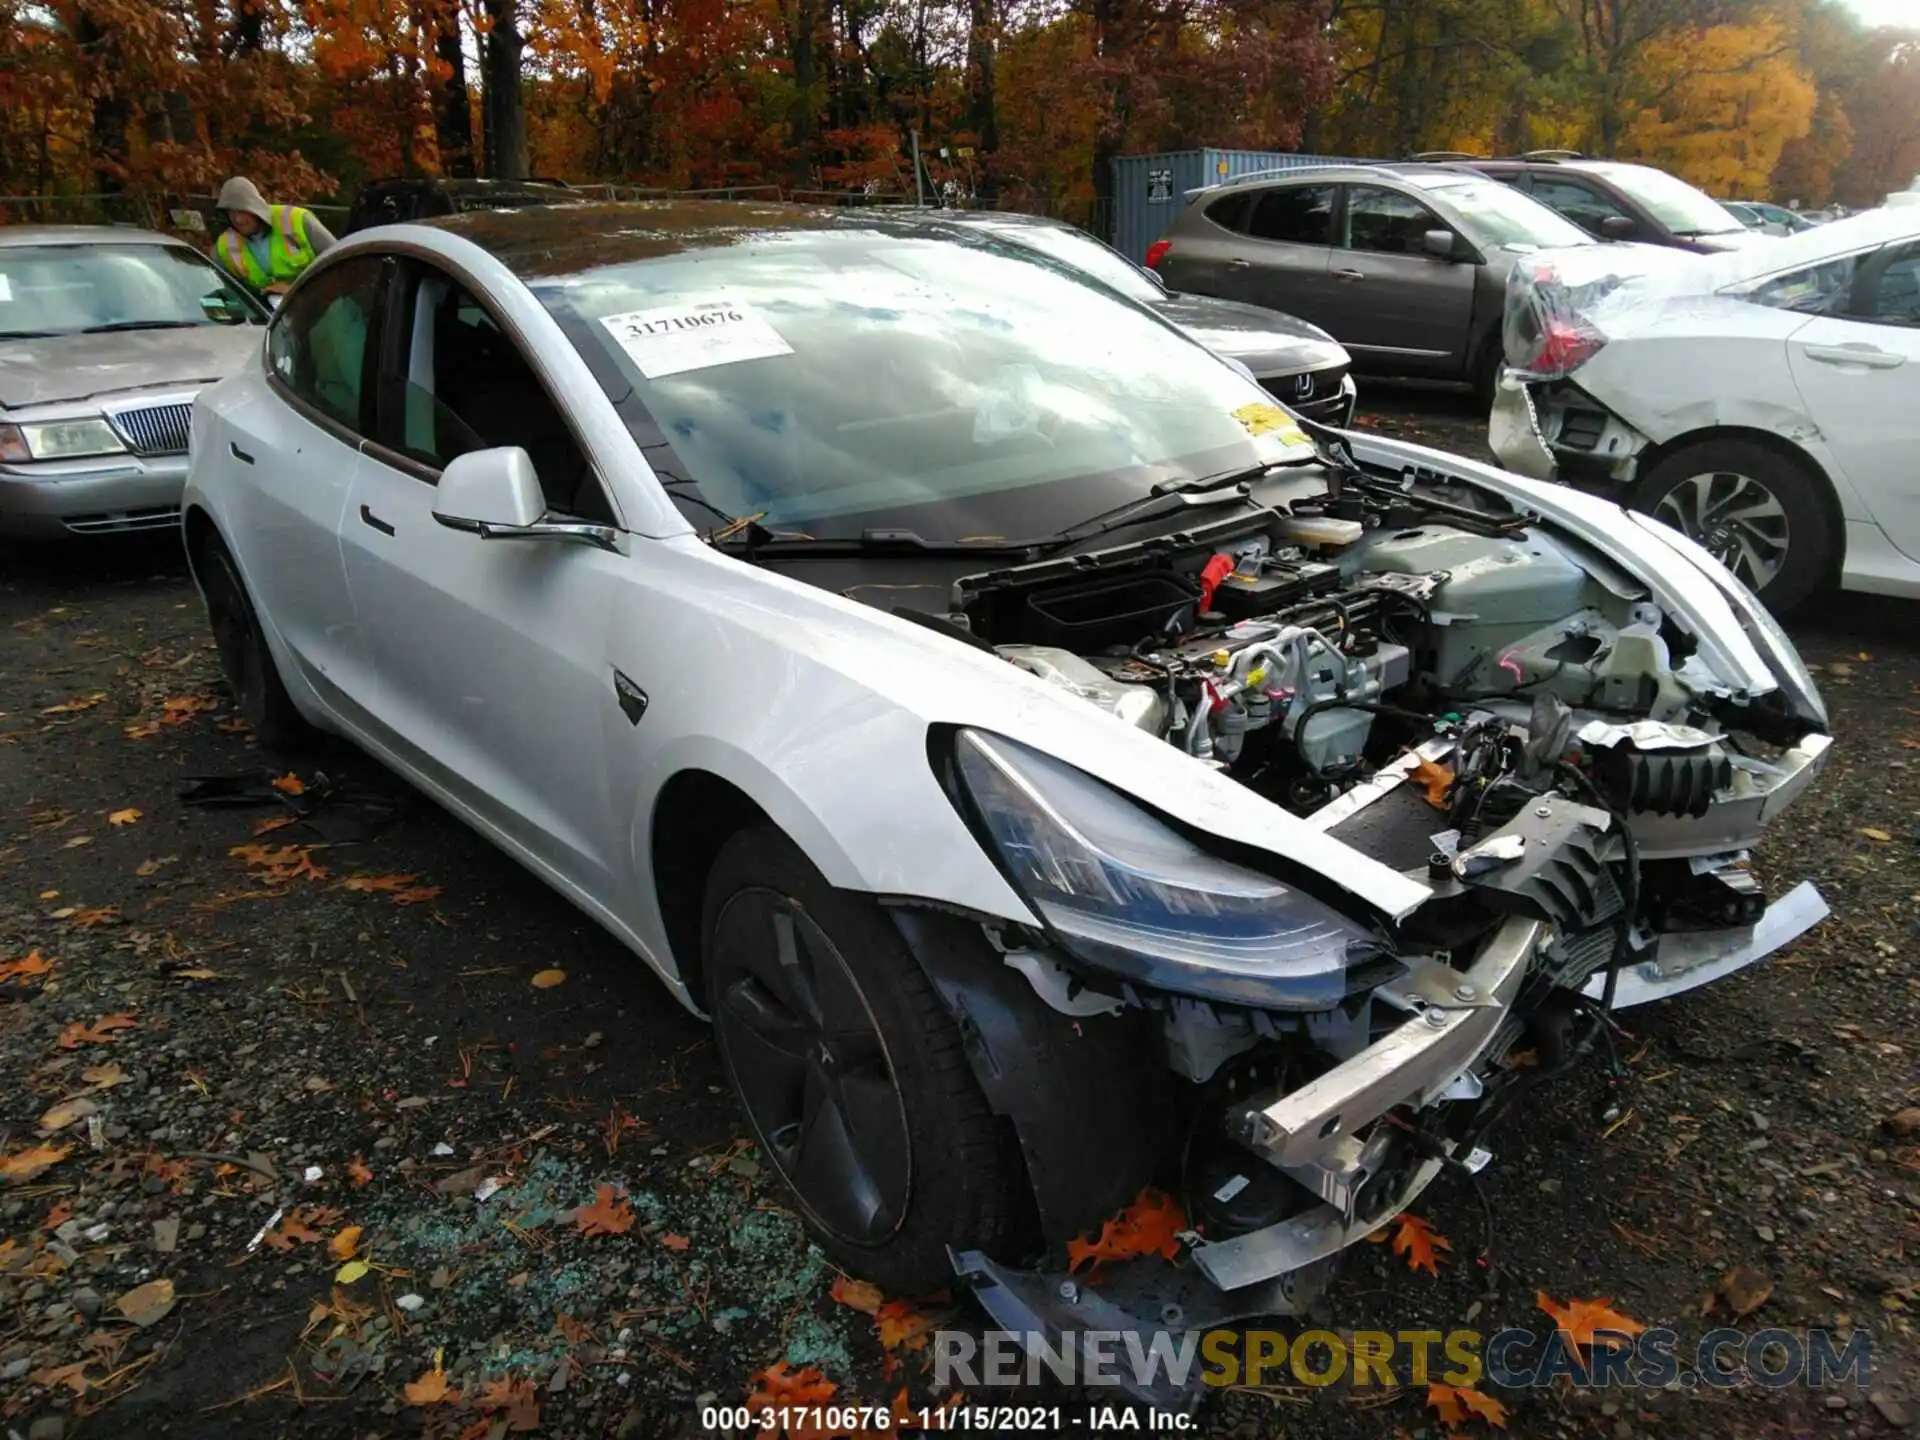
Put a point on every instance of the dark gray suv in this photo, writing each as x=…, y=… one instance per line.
x=1405, y=265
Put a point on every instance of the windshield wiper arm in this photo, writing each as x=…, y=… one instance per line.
x=141, y=325
x=1140, y=508
x=27, y=334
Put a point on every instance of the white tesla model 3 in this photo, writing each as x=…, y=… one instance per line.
x=1051, y=765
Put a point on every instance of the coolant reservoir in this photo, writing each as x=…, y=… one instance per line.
x=1320, y=530
x=1139, y=705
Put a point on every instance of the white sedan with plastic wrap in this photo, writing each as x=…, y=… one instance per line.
x=1761, y=402
x=1052, y=765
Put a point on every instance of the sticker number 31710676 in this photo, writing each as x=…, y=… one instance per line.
x=674, y=338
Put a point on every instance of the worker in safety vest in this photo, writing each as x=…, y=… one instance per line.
x=266, y=247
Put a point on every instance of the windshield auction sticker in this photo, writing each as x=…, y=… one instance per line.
x=676, y=338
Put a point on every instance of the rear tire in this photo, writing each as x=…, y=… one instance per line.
x=851, y=1071
x=245, y=660
x=1755, y=510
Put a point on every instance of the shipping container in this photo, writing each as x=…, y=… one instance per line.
x=1148, y=190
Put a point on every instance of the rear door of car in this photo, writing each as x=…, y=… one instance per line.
x=294, y=455
x=1279, y=259
x=1859, y=372
x=1394, y=303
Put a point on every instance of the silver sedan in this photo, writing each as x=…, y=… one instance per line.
x=106, y=335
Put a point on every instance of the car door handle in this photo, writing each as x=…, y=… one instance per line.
x=239, y=454
x=1239, y=264
x=1349, y=275
x=1868, y=356
x=375, y=521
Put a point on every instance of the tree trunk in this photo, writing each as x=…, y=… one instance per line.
x=800, y=49
x=453, y=116
x=506, y=104
x=980, y=78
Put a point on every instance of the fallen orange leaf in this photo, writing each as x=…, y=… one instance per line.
x=123, y=817
x=88, y=917
x=1457, y=1404
x=679, y=1244
x=32, y=1161
x=516, y=1397
x=431, y=1388
x=342, y=1246
x=609, y=1214
x=72, y=1376
x=273, y=823
x=289, y=784
x=899, y=1324
x=28, y=965
x=1589, y=1322
x=417, y=895
x=292, y=1231
x=74, y=707
x=98, y=1033
x=373, y=883
x=1151, y=1225
x=1420, y=1243
x=861, y=1295
x=776, y=1386
x=1436, y=780
x=547, y=979
x=358, y=1172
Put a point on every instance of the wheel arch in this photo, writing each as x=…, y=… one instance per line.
x=695, y=814
x=196, y=528
x=1824, y=487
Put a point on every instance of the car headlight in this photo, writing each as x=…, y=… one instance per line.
x=59, y=440
x=1123, y=891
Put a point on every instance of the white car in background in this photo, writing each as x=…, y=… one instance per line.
x=1766, y=402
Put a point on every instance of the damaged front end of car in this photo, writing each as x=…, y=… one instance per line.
x=1562, y=732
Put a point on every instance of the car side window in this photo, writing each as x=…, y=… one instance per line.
x=465, y=385
x=1296, y=214
x=1387, y=222
x=320, y=345
x=1231, y=212
x=1582, y=204
x=1893, y=293
x=1815, y=290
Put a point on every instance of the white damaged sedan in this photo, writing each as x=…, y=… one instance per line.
x=1052, y=765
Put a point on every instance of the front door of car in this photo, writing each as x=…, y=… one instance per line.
x=1587, y=206
x=1859, y=372
x=296, y=462
x=486, y=660
x=1283, y=262
x=1399, y=305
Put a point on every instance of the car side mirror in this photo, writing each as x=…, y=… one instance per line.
x=1441, y=244
x=1618, y=227
x=496, y=495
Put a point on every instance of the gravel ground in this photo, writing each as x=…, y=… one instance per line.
x=507, y=1206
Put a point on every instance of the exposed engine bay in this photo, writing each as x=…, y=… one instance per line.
x=1475, y=698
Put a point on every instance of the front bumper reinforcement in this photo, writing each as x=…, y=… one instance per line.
x=1685, y=959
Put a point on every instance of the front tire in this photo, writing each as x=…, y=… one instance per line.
x=245, y=660
x=851, y=1070
x=1755, y=510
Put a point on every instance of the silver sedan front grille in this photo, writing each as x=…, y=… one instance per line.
x=155, y=429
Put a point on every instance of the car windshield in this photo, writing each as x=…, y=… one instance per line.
x=74, y=289
x=1085, y=254
x=829, y=381
x=1670, y=200
x=1498, y=215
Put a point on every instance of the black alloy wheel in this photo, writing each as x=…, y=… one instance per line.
x=804, y=1051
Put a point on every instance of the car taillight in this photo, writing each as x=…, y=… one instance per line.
x=1156, y=252
x=1565, y=345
